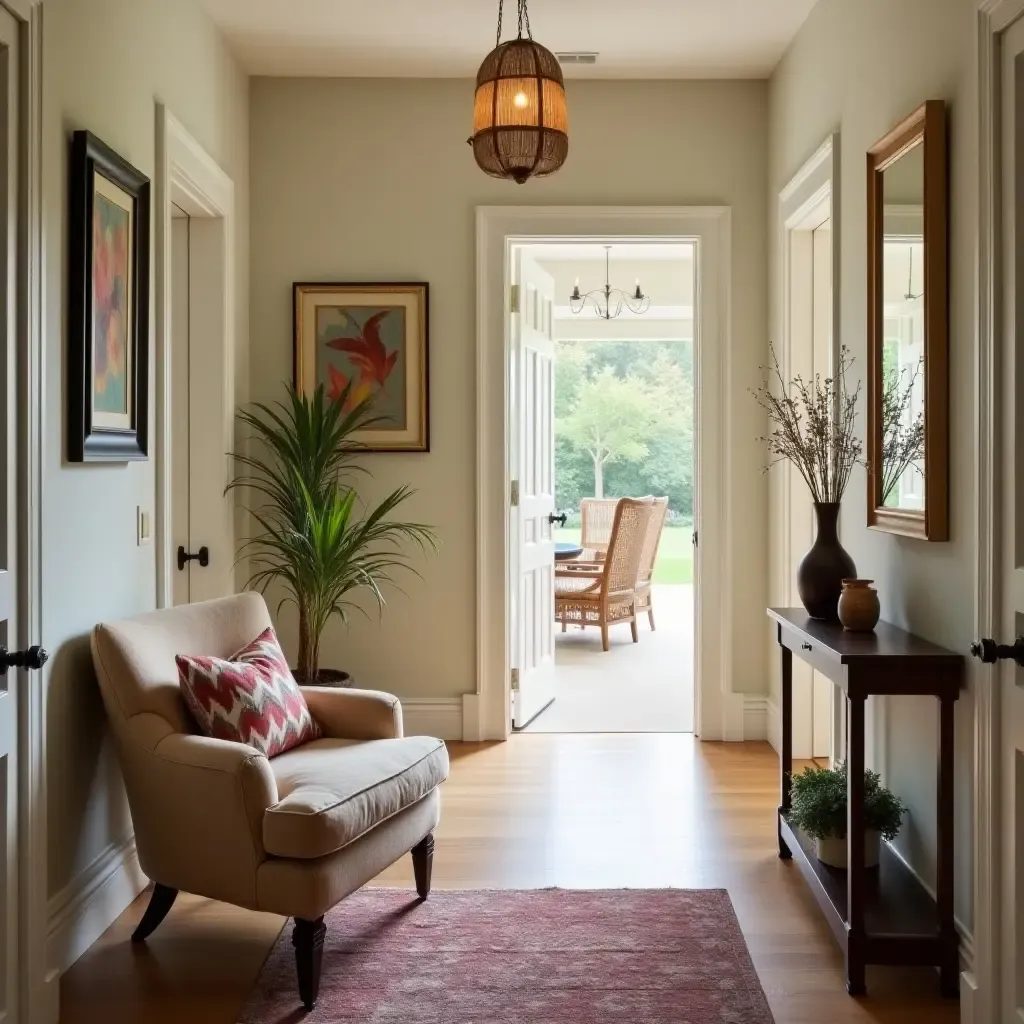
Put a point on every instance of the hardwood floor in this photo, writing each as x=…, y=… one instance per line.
x=577, y=811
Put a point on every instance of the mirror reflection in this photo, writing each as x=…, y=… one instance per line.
x=903, y=333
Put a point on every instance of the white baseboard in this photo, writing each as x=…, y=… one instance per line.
x=433, y=716
x=88, y=905
x=774, y=725
x=755, y=718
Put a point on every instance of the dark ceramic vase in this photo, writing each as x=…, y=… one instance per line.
x=819, y=580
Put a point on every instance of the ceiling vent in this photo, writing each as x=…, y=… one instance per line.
x=577, y=57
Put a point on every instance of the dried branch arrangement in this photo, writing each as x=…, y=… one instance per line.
x=812, y=426
x=902, y=438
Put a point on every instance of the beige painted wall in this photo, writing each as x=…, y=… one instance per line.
x=107, y=62
x=372, y=180
x=858, y=68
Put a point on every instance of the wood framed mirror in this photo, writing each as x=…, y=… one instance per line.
x=908, y=328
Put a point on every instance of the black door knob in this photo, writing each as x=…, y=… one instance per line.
x=990, y=652
x=560, y=519
x=34, y=657
x=202, y=556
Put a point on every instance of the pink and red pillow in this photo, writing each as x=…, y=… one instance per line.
x=251, y=698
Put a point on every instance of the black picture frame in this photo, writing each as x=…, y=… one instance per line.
x=87, y=439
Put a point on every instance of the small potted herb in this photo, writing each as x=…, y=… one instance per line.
x=819, y=811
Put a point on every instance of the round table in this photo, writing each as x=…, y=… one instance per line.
x=565, y=551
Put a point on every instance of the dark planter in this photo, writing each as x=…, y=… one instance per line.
x=819, y=580
x=328, y=677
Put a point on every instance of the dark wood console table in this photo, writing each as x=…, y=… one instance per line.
x=882, y=915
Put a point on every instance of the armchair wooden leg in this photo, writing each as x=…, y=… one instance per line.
x=159, y=904
x=423, y=864
x=308, y=940
x=650, y=617
x=605, y=644
x=635, y=630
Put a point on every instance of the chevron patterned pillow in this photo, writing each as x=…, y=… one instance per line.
x=251, y=698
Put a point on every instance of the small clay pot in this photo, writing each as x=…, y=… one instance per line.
x=859, y=609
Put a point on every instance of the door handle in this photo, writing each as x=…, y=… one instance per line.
x=560, y=519
x=202, y=556
x=33, y=658
x=989, y=652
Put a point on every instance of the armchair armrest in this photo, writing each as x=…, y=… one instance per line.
x=355, y=714
x=586, y=571
x=197, y=806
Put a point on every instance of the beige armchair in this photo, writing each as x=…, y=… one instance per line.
x=292, y=835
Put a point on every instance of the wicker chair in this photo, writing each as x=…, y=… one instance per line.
x=605, y=594
x=598, y=515
x=655, y=528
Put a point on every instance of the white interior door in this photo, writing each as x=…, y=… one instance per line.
x=1011, y=673
x=9, y=680
x=533, y=462
x=202, y=530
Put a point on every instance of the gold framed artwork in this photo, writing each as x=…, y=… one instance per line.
x=373, y=340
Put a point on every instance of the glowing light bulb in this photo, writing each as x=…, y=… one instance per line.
x=521, y=100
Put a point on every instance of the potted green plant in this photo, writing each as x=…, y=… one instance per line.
x=313, y=536
x=819, y=811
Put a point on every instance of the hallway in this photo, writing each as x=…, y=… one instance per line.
x=571, y=811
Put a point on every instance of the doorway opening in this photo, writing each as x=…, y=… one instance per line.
x=607, y=338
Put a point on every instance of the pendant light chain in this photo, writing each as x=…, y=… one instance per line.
x=524, y=16
x=524, y=20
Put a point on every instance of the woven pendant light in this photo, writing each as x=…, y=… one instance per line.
x=520, y=123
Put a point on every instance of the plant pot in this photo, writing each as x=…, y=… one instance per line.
x=832, y=851
x=819, y=579
x=327, y=677
x=859, y=609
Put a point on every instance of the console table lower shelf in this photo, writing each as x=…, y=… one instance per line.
x=901, y=920
x=881, y=915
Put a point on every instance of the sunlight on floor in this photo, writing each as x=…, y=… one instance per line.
x=644, y=687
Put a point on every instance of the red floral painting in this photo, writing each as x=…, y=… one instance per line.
x=369, y=340
x=364, y=346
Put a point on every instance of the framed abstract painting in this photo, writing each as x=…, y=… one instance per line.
x=108, y=306
x=372, y=338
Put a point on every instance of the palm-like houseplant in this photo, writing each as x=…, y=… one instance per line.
x=313, y=537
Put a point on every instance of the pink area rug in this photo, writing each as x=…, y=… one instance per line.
x=552, y=956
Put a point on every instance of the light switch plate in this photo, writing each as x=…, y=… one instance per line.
x=143, y=527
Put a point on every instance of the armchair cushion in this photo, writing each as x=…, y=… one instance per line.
x=250, y=698
x=332, y=791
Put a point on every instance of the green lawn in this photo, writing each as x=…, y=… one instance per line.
x=675, y=553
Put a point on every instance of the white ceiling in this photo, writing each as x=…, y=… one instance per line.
x=563, y=252
x=414, y=39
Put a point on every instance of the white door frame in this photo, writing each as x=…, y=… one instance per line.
x=981, y=987
x=39, y=994
x=188, y=177
x=719, y=712
x=815, y=183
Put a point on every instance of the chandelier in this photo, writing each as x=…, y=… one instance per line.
x=608, y=301
x=520, y=123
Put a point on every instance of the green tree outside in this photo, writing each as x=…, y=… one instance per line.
x=624, y=413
